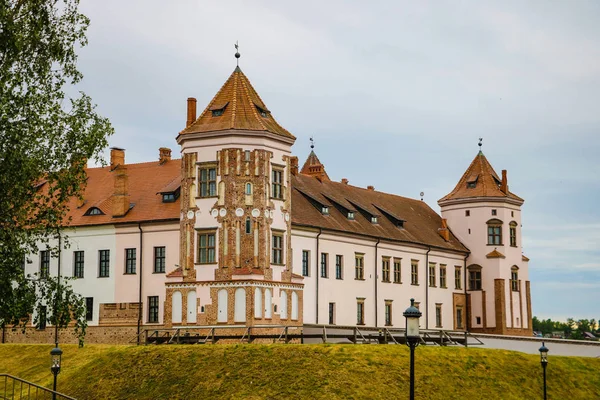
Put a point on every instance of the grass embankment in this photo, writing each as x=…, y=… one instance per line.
x=300, y=372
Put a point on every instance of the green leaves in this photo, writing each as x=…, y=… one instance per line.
x=45, y=136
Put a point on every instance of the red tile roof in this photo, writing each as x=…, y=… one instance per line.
x=482, y=176
x=241, y=108
x=145, y=181
x=420, y=224
x=495, y=254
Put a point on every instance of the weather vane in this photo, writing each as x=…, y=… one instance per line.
x=237, y=53
x=312, y=143
x=480, y=143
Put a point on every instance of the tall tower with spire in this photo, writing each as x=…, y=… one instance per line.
x=235, y=235
x=486, y=216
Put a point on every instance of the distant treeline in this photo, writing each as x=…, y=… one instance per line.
x=572, y=329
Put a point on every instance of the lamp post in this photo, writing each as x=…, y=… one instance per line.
x=55, y=358
x=544, y=362
x=412, y=315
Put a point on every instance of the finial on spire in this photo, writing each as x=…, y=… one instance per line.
x=237, y=53
x=312, y=143
x=480, y=143
x=422, y=194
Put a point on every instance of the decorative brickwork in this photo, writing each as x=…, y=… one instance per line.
x=119, y=313
x=188, y=217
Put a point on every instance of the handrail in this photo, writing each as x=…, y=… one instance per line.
x=28, y=387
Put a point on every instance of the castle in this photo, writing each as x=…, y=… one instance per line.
x=236, y=233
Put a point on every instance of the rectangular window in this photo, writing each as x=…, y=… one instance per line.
x=414, y=272
x=388, y=313
x=442, y=276
x=514, y=281
x=459, y=318
x=385, y=270
x=513, y=235
x=78, y=264
x=397, y=270
x=360, y=312
x=431, y=274
x=438, y=315
x=130, y=261
x=103, y=263
x=277, y=184
x=324, y=265
x=207, y=182
x=494, y=234
x=44, y=263
x=359, y=266
x=457, y=277
x=331, y=313
x=494, y=212
x=277, y=249
x=475, y=279
x=159, y=259
x=89, y=308
x=206, y=248
x=42, y=318
x=152, y=309
x=339, y=266
x=478, y=320
x=467, y=213
x=305, y=263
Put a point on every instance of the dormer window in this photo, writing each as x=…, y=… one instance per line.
x=325, y=210
x=472, y=182
x=400, y=224
x=94, y=211
x=373, y=219
x=350, y=215
x=262, y=111
x=218, y=110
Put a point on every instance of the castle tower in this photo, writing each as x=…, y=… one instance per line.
x=486, y=217
x=235, y=247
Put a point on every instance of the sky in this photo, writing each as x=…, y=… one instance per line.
x=395, y=94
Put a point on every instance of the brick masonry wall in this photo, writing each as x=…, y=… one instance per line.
x=94, y=335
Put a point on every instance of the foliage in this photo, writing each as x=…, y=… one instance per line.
x=302, y=372
x=572, y=329
x=46, y=136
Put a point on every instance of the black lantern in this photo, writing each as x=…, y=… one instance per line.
x=412, y=316
x=55, y=359
x=544, y=362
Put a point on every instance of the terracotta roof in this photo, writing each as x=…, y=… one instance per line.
x=482, y=176
x=145, y=181
x=176, y=273
x=241, y=107
x=313, y=167
x=495, y=254
x=524, y=258
x=420, y=226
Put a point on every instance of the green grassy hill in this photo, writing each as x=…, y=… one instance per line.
x=300, y=372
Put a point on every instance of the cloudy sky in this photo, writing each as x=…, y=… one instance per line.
x=396, y=95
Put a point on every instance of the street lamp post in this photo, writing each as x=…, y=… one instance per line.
x=55, y=358
x=412, y=315
x=544, y=362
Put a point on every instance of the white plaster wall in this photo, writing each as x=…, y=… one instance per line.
x=90, y=240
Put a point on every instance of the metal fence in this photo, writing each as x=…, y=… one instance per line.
x=13, y=388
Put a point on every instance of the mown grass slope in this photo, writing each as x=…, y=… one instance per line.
x=300, y=372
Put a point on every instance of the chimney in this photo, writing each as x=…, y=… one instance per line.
x=444, y=231
x=191, y=111
x=504, y=184
x=294, y=165
x=164, y=155
x=117, y=157
x=120, y=197
x=344, y=181
x=371, y=187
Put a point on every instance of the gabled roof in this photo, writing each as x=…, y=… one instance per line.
x=313, y=167
x=239, y=108
x=145, y=182
x=479, y=180
x=421, y=222
x=495, y=254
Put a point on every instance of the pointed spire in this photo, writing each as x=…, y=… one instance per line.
x=480, y=180
x=313, y=166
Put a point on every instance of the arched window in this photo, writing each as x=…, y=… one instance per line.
x=268, y=303
x=176, y=307
x=494, y=232
x=248, y=188
x=294, y=305
x=222, y=306
x=192, y=308
x=257, y=303
x=283, y=305
x=514, y=278
x=248, y=225
x=513, y=233
x=239, y=314
x=474, y=277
